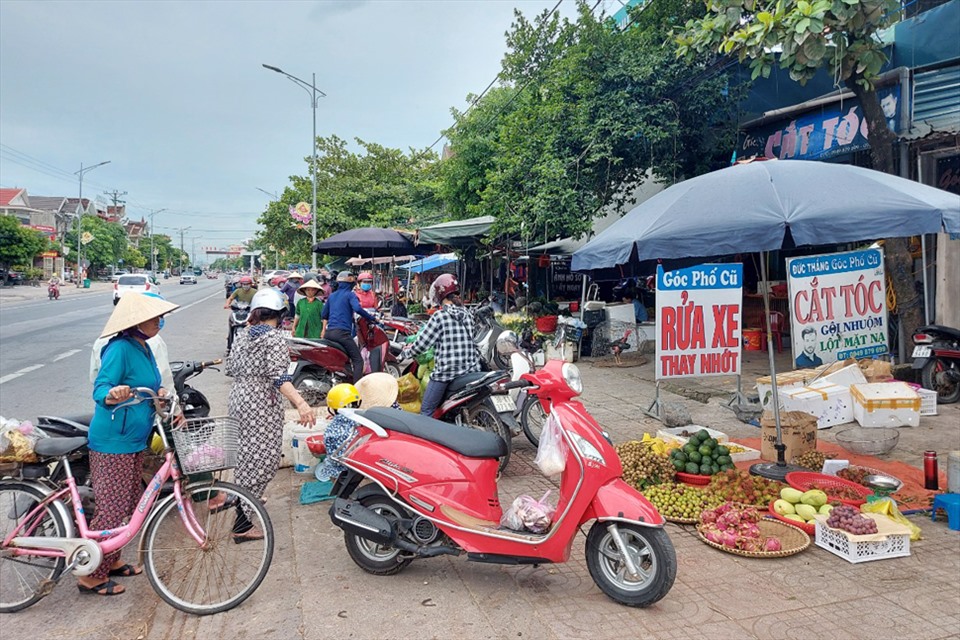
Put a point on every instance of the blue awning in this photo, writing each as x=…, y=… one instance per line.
x=429, y=262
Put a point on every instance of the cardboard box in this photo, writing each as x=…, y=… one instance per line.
x=798, y=430
x=830, y=403
x=886, y=404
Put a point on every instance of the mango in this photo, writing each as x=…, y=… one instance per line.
x=815, y=498
x=806, y=512
x=791, y=495
x=793, y=516
x=825, y=509
x=783, y=507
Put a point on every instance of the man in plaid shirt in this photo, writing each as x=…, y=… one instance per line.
x=450, y=333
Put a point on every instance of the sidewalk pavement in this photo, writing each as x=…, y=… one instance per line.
x=315, y=591
x=27, y=293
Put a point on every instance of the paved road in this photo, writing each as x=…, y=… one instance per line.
x=45, y=346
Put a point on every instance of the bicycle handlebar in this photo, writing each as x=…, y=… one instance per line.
x=146, y=393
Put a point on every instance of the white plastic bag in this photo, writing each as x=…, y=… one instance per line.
x=528, y=514
x=552, y=452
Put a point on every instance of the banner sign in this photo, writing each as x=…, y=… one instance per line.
x=301, y=213
x=838, y=307
x=698, y=321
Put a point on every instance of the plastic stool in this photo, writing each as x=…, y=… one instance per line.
x=949, y=502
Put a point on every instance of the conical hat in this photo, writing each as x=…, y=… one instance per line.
x=133, y=309
x=313, y=284
x=377, y=390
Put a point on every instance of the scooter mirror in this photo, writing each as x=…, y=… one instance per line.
x=508, y=343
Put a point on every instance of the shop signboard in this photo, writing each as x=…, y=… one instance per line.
x=564, y=285
x=699, y=321
x=833, y=130
x=838, y=307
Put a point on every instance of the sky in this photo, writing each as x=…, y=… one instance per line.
x=173, y=94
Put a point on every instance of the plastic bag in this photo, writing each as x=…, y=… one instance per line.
x=887, y=507
x=552, y=452
x=528, y=514
x=409, y=389
x=17, y=440
x=412, y=406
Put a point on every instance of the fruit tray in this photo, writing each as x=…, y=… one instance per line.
x=792, y=540
x=693, y=478
x=803, y=526
x=804, y=481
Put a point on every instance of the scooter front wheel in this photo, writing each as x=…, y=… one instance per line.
x=651, y=553
x=378, y=559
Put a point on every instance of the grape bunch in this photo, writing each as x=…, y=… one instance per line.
x=849, y=519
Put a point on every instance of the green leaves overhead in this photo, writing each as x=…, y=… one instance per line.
x=18, y=244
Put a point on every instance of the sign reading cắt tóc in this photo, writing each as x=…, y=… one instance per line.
x=838, y=307
x=698, y=321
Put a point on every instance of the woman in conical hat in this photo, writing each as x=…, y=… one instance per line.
x=118, y=436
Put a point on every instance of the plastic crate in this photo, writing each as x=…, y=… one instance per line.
x=928, y=402
x=840, y=544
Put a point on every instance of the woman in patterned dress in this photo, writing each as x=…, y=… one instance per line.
x=258, y=364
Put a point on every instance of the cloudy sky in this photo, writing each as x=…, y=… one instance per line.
x=174, y=95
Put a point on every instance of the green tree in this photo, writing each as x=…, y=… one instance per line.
x=19, y=244
x=108, y=243
x=133, y=258
x=840, y=36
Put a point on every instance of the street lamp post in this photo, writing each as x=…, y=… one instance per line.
x=80, y=174
x=153, y=251
x=314, y=93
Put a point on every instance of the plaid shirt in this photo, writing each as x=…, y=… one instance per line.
x=450, y=333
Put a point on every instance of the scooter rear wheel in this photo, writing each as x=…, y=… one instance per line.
x=935, y=377
x=378, y=559
x=651, y=552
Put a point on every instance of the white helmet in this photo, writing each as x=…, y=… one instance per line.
x=268, y=299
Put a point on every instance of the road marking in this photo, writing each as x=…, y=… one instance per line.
x=212, y=295
x=9, y=377
x=17, y=374
x=66, y=354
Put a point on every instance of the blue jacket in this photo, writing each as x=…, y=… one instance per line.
x=340, y=307
x=123, y=361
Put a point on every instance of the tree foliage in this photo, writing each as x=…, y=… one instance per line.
x=583, y=114
x=19, y=244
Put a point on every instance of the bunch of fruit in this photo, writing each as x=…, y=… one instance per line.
x=849, y=519
x=840, y=492
x=642, y=466
x=801, y=506
x=740, y=486
x=679, y=501
x=854, y=474
x=735, y=448
x=702, y=455
x=812, y=460
x=736, y=528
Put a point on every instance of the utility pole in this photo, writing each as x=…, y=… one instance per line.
x=181, y=231
x=115, y=197
x=83, y=170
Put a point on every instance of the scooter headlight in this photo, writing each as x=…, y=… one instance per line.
x=571, y=375
x=586, y=449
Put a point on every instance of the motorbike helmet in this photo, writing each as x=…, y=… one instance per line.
x=343, y=396
x=344, y=276
x=268, y=299
x=364, y=275
x=246, y=280
x=443, y=287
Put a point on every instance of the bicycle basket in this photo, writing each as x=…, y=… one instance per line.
x=206, y=444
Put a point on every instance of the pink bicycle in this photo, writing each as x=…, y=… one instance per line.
x=188, y=551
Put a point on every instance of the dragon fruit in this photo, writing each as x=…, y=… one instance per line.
x=722, y=509
x=750, y=514
x=772, y=544
x=712, y=533
x=749, y=544
x=728, y=539
x=748, y=529
x=729, y=520
x=708, y=516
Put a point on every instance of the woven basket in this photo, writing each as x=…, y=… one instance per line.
x=682, y=520
x=792, y=540
x=804, y=481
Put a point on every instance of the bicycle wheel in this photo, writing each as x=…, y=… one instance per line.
x=532, y=419
x=218, y=575
x=26, y=579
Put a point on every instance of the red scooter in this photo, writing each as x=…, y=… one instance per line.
x=53, y=291
x=317, y=365
x=433, y=491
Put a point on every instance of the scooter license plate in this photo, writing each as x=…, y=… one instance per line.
x=292, y=368
x=921, y=352
x=504, y=404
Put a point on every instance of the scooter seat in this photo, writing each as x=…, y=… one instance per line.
x=51, y=447
x=463, y=440
x=81, y=422
x=469, y=378
x=331, y=344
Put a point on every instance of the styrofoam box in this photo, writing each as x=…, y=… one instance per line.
x=835, y=372
x=928, y=402
x=841, y=544
x=674, y=434
x=749, y=454
x=885, y=404
x=830, y=403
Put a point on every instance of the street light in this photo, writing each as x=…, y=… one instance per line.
x=269, y=193
x=80, y=174
x=153, y=252
x=314, y=93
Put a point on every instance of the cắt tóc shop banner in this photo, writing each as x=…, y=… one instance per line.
x=838, y=307
x=699, y=321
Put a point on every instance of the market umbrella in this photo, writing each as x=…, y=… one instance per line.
x=752, y=206
x=366, y=241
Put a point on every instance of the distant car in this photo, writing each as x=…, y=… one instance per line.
x=138, y=282
x=188, y=278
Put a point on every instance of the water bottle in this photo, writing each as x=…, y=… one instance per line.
x=931, y=480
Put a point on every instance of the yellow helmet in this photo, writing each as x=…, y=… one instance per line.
x=342, y=396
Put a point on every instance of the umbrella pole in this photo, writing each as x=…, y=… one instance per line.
x=773, y=470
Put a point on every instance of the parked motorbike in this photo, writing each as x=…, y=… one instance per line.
x=317, y=365
x=529, y=413
x=53, y=291
x=937, y=356
x=239, y=312
x=486, y=330
x=432, y=491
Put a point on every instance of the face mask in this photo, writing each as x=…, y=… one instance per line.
x=245, y=286
x=366, y=286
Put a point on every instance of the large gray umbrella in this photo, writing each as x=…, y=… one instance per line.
x=366, y=242
x=750, y=207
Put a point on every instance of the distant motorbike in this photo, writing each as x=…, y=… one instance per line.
x=486, y=330
x=53, y=291
x=937, y=356
x=239, y=312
